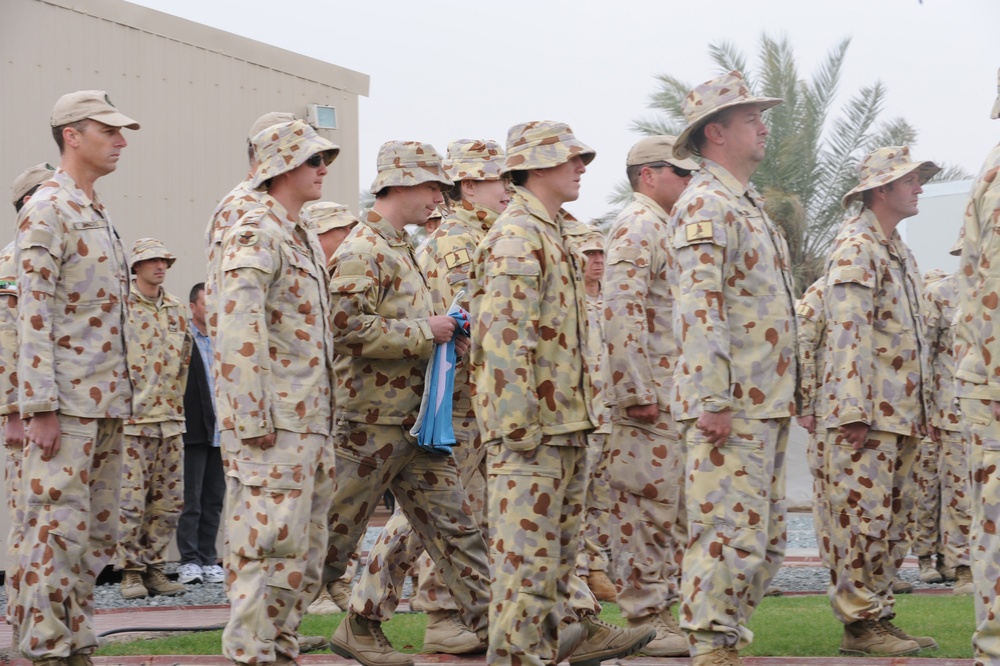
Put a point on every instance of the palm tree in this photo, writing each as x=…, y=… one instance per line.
x=811, y=159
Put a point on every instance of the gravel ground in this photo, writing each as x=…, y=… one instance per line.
x=789, y=579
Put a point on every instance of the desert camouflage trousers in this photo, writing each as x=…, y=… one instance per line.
x=277, y=501
x=982, y=434
x=735, y=501
x=151, y=501
x=648, y=519
x=374, y=458
x=536, y=504
x=70, y=529
x=595, y=532
x=872, y=494
x=943, y=507
x=13, y=456
x=816, y=459
x=378, y=592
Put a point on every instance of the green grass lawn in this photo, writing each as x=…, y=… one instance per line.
x=800, y=626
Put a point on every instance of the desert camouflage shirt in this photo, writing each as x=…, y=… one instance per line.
x=8, y=331
x=940, y=300
x=812, y=343
x=233, y=206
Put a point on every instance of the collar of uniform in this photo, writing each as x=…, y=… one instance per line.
x=533, y=206
x=892, y=243
x=656, y=208
x=731, y=183
x=383, y=227
x=139, y=296
x=67, y=183
x=474, y=215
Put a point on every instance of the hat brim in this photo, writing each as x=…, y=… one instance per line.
x=927, y=170
x=415, y=176
x=315, y=145
x=587, y=154
x=681, y=148
x=115, y=119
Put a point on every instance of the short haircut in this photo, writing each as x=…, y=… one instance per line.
x=633, y=171
x=195, y=290
x=698, y=139
x=57, y=132
x=519, y=177
x=19, y=204
x=455, y=193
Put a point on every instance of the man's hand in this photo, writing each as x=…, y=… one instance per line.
x=716, y=426
x=934, y=433
x=262, y=442
x=643, y=413
x=13, y=431
x=44, y=432
x=442, y=327
x=856, y=433
x=807, y=422
x=462, y=345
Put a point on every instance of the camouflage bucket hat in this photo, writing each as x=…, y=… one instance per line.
x=708, y=99
x=149, y=248
x=654, y=149
x=30, y=178
x=286, y=146
x=884, y=166
x=269, y=120
x=92, y=104
x=996, y=105
x=474, y=159
x=592, y=242
x=327, y=215
x=408, y=163
x=543, y=144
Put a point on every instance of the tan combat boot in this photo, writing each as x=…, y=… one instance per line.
x=323, y=604
x=312, y=643
x=571, y=636
x=963, y=581
x=925, y=642
x=928, y=572
x=601, y=586
x=131, y=585
x=447, y=634
x=725, y=656
x=157, y=582
x=340, y=592
x=606, y=641
x=362, y=639
x=948, y=574
x=900, y=586
x=669, y=641
x=80, y=659
x=869, y=637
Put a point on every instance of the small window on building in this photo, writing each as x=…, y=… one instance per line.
x=322, y=117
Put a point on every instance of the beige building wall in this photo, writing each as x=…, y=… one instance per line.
x=194, y=90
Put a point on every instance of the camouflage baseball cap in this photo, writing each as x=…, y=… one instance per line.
x=286, y=146
x=592, y=242
x=885, y=165
x=408, y=163
x=996, y=105
x=474, y=159
x=658, y=149
x=708, y=99
x=543, y=144
x=268, y=120
x=30, y=178
x=149, y=248
x=327, y=215
x=92, y=104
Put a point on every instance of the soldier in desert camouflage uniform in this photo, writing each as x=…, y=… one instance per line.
x=385, y=328
x=73, y=382
x=11, y=426
x=532, y=389
x=478, y=196
x=159, y=351
x=647, y=461
x=977, y=375
x=735, y=381
x=874, y=400
x=274, y=398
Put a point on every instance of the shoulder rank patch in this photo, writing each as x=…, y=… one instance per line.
x=697, y=231
x=247, y=238
x=457, y=257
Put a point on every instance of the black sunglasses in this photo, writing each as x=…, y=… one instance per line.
x=315, y=160
x=680, y=173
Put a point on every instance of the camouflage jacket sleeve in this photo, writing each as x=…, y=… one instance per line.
x=811, y=337
x=8, y=332
x=939, y=300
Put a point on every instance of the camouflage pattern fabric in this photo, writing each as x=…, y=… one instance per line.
x=595, y=529
x=240, y=200
x=8, y=405
x=943, y=511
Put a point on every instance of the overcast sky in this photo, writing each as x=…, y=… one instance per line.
x=447, y=70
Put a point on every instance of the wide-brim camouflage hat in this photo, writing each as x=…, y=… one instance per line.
x=149, y=248
x=269, y=120
x=474, y=159
x=408, y=163
x=327, y=215
x=996, y=105
x=592, y=242
x=29, y=179
x=92, y=104
x=708, y=99
x=543, y=144
x=659, y=148
x=885, y=165
x=286, y=146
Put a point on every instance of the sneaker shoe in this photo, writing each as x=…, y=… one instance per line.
x=157, y=582
x=669, y=641
x=447, y=634
x=131, y=586
x=900, y=586
x=606, y=641
x=213, y=573
x=323, y=605
x=601, y=586
x=340, y=592
x=362, y=639
x=189, y=572
x=928, y=572
x=871, y=638
x=963, y=581
x=312, y=643
x=925, y=642
x=724, y=656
